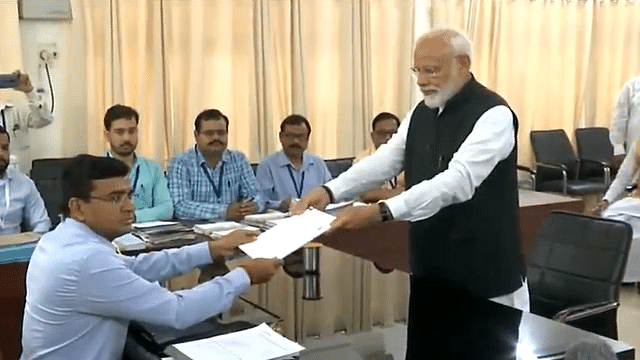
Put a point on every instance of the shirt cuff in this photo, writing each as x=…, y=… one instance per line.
x=202, y=254
x=240, y=280
x=398, y=208
x=618, y=149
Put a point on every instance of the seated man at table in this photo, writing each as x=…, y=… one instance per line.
x=291, y=172
x=383, y=127
x=21, y=204
x=148, y=182
x=209, y=181
x=81, y=294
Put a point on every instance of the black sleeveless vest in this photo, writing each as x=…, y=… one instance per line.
x=474, y=244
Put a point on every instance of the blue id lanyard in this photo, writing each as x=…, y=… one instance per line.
x=295, y=184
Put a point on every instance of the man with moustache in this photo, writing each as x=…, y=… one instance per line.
x=209, y=181
x=457, y=147
x=292, y=172
x=21, y=204
x=151, y=192
x=81, y=294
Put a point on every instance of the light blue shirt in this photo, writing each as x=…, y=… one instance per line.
x=279, y=179
x=21, y=202
x=151, y=190
x=81, y=294
x=193, y=184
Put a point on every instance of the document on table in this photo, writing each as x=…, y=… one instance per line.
x=289, y=235
x=257, y=343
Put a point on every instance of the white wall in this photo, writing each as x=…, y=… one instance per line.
x=67, y=73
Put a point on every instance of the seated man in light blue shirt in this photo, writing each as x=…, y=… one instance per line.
x=291, y=172
x=209, y=181
x=21, y=203
x=81, y=294
x=151, y=193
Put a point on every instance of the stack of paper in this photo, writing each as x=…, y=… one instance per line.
x=157, y=232
x=263, y=221
x=289, y=235
x=220, y=229
x=257, y=343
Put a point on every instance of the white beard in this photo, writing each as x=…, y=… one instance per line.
x=446, y=92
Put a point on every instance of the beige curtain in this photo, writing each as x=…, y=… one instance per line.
x=10, y=56
x=560, y=64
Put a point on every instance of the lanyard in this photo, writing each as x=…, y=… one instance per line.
x=295, y=184
x=7, y=200
x=216, y=189
x=135, y=178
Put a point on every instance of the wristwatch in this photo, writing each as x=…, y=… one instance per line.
x=385, y=213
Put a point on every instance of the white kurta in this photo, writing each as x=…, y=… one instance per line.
x=628, y=210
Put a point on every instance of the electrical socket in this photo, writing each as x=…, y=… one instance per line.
x=47, y=53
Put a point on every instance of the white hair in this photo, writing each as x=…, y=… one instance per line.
x=459, y=43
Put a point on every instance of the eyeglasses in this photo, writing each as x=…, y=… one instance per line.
x=426, y=70
x=291, y=136
x=117, y=198
x=388, y=133
x=211, y=133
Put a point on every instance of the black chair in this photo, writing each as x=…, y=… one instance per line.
x=557, y=165
x=595, y=153
x=254, y=167
x=338, y=166
x=47, y=175
x=576, y=269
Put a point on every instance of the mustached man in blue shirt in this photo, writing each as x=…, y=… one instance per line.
x=209, y=181
x=291, y=172
x=20, y=201
x=149, y=185
x=81, y=294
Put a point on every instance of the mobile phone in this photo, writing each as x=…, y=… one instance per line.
x=8, y=81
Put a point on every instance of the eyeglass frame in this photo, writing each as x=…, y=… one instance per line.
x=117, y=198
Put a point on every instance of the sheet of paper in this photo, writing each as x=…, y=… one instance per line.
x=153, y=224
x=289, y=235
x=257, y=343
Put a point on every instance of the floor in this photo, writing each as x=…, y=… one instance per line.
x=629, y=317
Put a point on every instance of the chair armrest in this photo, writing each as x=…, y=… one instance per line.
x=560, y=167
x=581, y=311
x=527, y=169
x=601, y=163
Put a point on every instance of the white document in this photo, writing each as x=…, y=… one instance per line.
x=221, y=228
x=257, y=343
x=289, y=235
x=153, y=224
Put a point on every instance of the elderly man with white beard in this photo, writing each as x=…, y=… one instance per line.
x=458, y=149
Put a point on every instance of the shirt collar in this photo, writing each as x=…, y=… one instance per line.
x=283, y=160
x=135, y=158
x=71, y=222
x=226, y=156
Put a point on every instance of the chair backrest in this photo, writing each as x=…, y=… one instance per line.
x=593, y=144
x=553, y=147
x=578, y=259
x=47, y=175
x=254, y=167
x=338, y=166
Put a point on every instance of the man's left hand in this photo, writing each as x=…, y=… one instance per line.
x=24, y=84
x=356, y=217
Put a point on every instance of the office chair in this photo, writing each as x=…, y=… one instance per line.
x=576, y=269
x=339, y=165
x=557, y=165
x=595, y=153
x=47, y=175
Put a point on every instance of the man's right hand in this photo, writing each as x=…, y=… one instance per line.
x=317, y=198
x=237, y=211
x=598, y=209
x=261, y=270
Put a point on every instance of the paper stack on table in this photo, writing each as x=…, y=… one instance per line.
x=220, y=229
x=257, y=343
x=288, y=235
